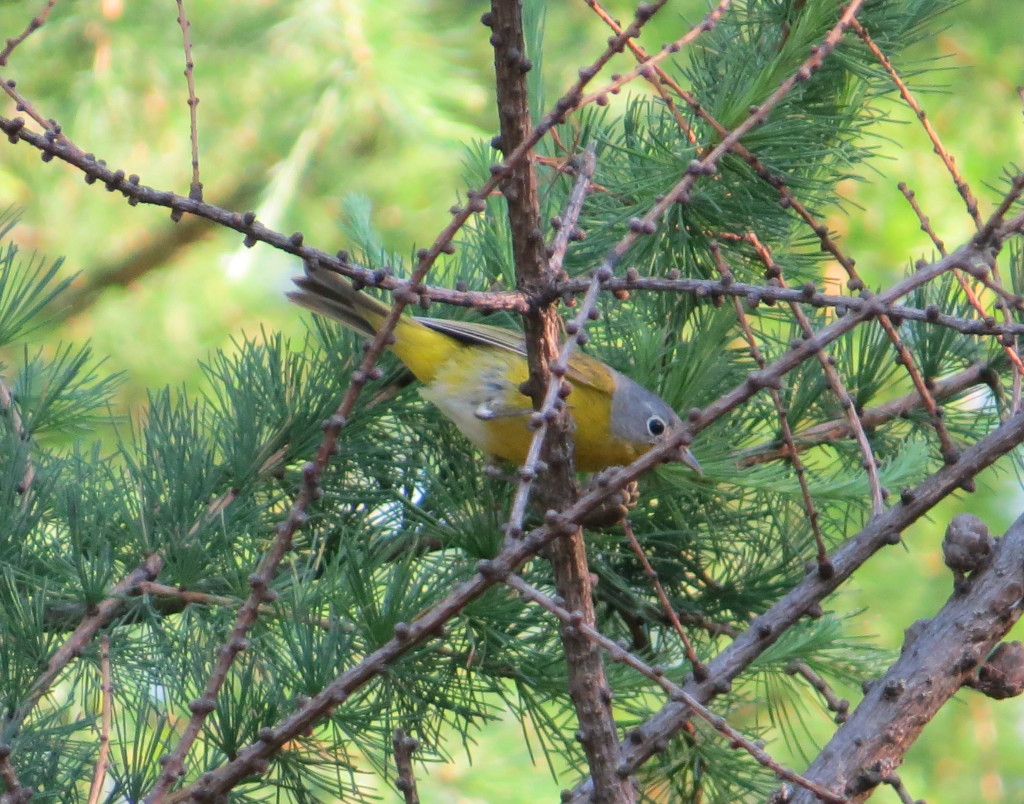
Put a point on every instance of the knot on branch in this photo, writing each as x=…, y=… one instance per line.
x=967, y=546
x=1002, y=674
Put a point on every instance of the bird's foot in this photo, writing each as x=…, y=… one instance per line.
x=616, y=506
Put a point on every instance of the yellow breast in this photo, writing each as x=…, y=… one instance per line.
x=478, y=389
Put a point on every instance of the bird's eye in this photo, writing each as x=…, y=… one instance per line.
x=655, y=426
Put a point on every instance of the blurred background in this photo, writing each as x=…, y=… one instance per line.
x=308, y=109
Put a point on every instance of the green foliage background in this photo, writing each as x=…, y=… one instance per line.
x=307, y=104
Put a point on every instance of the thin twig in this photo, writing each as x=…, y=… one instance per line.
x=99, y=774
x=34, y=25
x=996, y=226
x=619, y=81
x=657, y=675
x=1009, y=347
x=756, y=294
x=840, y=706
x=565, y=226
x=780, y=410
x=52, y=132
x=654, y=74
x=856, y=425
x=547, y=409
x=838, y=429
x=189, y=597
x=196, y=187
x=947, y=160
x=896, y=783
x=404, y=746
x=698, y=668
x=75, y=644
x=906, y=359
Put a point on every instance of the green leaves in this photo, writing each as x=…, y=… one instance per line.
x=27, y=287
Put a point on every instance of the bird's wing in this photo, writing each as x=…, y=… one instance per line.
x=583, y=369
x=483, y=334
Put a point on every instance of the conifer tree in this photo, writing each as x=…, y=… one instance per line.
x=299, y=570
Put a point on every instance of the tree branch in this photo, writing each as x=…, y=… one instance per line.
x=404, y=745
x=651, y=737
x=937, y=658
x=838, y=429
x=588, y=684
x=73, y=646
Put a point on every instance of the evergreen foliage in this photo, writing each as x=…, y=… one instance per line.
x=203, y=476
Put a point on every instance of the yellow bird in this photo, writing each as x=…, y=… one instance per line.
x=472, y=373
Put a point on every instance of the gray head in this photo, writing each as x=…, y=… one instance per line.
x=645, y=420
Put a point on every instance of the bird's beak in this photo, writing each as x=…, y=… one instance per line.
x=687, y=457
x=684, y=455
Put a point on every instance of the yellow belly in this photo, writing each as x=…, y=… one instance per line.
x=478, y=389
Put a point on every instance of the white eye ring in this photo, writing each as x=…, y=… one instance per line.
x=656, y=426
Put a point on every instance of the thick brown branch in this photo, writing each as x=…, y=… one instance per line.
x=938, y=657
x=588, y=685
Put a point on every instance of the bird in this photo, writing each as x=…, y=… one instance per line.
x=473, y=372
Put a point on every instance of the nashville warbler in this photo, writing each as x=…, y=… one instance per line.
x=472, y=373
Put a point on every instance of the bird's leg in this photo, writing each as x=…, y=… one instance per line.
x=614, y=508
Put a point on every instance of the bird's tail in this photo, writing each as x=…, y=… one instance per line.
x=417, y=345
x=329, y=294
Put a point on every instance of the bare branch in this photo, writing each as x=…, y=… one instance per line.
x=697, y=667
x=840, y=706
x=404, y=746
x=938, y=657
x=853, y=417
x=838, y=429
x=33, y=25
x=756, y=294
x=961, y=185
x=784, y=427
x=196, y=187
x=106, y=717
